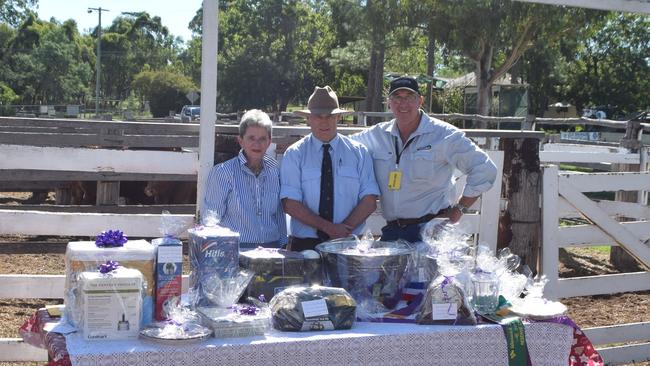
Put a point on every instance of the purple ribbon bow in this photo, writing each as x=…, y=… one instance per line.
x=111, y=239
x=109, y=266
x=245, y=309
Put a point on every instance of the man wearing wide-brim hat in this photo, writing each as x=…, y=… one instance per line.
x=327, y=180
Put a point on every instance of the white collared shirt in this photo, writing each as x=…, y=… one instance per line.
x=426, y=165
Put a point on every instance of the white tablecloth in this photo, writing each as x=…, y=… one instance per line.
x=365, y=344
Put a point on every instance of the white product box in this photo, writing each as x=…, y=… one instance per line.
x=111, y=303
x=82, y=256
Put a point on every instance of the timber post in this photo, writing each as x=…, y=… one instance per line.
x=108, y=193
x=520, y=224
x=619, y=258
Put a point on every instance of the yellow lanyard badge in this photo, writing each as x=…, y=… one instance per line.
x=395, y=176
x=394, y=180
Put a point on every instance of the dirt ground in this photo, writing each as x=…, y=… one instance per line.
x=45, y=255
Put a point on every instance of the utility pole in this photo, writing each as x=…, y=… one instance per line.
x=98, y=65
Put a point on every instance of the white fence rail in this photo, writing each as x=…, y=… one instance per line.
x=563, y=198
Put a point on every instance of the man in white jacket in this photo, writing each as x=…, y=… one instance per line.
x=414, y=157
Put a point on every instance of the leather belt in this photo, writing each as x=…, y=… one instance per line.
x=419, y=220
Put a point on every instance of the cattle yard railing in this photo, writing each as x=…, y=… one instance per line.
x=598, y=224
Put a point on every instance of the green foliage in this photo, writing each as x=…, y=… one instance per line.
x=406, y=52
x=612, y=66
x=14, y=11
x=271, y=52
x=354, y=57
x=44, y=66
x=350, y=84
x=7, y=97
x=448, y=101
x=132, y=42
x=165, y=90
x=133, y=103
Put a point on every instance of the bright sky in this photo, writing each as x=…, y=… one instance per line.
x=175, y=15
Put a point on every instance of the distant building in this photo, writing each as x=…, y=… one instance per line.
x=507, y=99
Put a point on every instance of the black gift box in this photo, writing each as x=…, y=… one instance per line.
x=276, y=269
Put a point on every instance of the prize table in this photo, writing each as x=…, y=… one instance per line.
x=365, y=344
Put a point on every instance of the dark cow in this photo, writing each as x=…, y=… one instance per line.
x=82, y=193
x=171, y=192
x=132, y=193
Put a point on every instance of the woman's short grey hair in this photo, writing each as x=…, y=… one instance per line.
x=255, y=118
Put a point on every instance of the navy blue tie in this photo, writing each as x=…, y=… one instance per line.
x=326, y=203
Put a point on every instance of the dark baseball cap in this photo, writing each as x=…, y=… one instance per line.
x=404, y=83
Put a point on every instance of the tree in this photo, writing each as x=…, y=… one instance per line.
x=611, y=66
x=7, y=97
x=271, y=52
x=165, y=90
x=13, y=12
x=349, y=57
x=131, y=42
x=369, y=24
x=381, y=15
x=46, y=62
x=505, y=31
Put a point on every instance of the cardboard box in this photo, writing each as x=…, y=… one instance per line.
x=111, y=303
x=169, y=271
x=214, y=255
x=82, y=256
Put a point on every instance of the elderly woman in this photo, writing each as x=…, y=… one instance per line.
x=244, y=192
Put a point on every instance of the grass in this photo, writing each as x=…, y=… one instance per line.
x=604, y=249
x=575, y=168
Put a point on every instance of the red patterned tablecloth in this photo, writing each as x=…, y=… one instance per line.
x=33, y=333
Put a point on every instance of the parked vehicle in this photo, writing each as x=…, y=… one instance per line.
x=190, y=113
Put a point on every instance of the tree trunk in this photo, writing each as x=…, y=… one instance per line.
x=520, y=227
x=483, y=85
x=618, y=256
x=431, y=64
x=374, y=96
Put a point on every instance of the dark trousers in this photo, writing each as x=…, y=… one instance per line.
x=299, y=244
x=396, y=229
x=410, y=233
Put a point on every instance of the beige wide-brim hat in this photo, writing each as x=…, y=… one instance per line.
x=322, y=101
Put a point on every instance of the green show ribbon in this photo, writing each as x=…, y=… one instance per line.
x=516, y=339
x=515, y=334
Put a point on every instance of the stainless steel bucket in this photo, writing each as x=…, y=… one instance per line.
x=377, y=273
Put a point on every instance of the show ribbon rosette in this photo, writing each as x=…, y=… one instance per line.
x=111, y=239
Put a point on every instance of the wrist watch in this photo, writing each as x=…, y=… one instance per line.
x=461, y=208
